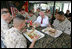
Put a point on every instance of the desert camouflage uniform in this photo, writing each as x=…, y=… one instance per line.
x=14, y=39
x=64, y=26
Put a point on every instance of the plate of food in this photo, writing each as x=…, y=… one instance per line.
x=52, y=32
x=30, y=34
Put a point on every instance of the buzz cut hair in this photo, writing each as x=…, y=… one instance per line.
x=18, y=20
x=60, y=13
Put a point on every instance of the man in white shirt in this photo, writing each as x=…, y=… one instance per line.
x=42, y=20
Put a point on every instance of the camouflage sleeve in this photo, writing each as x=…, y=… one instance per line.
x=68, y=28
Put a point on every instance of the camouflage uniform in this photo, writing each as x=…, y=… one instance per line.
x=4, y=27
x=14, y=39
x=64, y=26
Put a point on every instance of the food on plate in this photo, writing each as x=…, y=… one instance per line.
x=32, y=34
x=31, y=37
x=52, y=30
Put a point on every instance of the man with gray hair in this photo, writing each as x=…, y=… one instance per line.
x=42, y=20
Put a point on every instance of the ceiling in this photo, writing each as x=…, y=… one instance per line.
x=48, y=1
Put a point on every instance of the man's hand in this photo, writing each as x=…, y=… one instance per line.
x=25, y=30
x=35, y=38
x=33, y=42
x=49, y=25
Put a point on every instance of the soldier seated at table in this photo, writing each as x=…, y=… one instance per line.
x=62, y=23
x=14, y=37
x=42, y=20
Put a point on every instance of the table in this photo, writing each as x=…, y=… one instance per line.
x=63, y=41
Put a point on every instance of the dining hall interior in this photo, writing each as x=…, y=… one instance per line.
x=35, y=24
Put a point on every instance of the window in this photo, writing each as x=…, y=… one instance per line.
x=67, y=6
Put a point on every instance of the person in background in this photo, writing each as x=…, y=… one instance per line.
x=37, y=12
x=24, y=13
x=56, y=11
x=42, y=20
x=32, y=16
x=68, y=14
x=62, y=23
x=14, y=37
x=53, y=17
x=48, y=13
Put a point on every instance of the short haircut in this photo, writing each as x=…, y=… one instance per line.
x=20, y=16
x=61, y=13
x=18, y=20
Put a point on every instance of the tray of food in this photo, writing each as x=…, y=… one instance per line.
x=52, y=32
x=30, y=34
